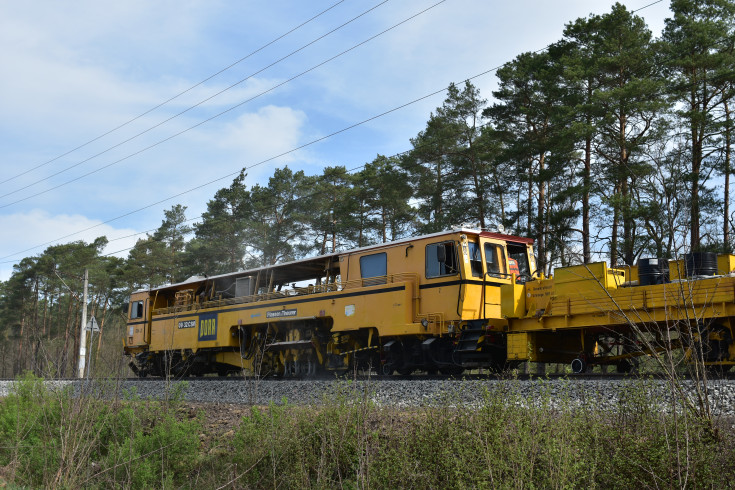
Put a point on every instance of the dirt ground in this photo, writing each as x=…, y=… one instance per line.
x=219, y=420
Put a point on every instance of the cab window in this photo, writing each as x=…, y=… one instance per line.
x=494, y=260
x=374, y=266
x=520, y=255
x=475, y=259
x=136, y=309
x=441, y=260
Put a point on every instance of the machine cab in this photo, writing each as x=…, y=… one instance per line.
x=138, y=328
x=492, y=262
x=497, y=257
x=507, y=256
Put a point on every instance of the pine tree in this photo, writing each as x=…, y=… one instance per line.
x=219, y=239
x=698, y=39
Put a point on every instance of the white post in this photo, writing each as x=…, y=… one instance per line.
x=92, y=325
x=91, y=344
x=83, y=333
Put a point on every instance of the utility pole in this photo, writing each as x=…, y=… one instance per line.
x=83, y=332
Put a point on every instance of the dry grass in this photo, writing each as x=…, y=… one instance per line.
x=60, y=440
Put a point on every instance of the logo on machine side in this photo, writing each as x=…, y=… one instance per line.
x=280, y=313
x=208, y=327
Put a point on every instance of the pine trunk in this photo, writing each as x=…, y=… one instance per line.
x=63, y=354
x=541, y=211
x=726, y=217
x=19, y=360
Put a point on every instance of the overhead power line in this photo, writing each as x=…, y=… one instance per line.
x=188, y=220
x=646, y=6
x=184, y=112
x=280, y=155
x=175, y=96
x=231, y=174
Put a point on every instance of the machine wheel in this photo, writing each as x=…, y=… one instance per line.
x=719, y=346
x=404, y=371
x=579, y=366
x=624, y=366
x=453, y=370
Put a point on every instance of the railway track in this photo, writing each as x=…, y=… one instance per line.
x=556, y=391
x=417, y=377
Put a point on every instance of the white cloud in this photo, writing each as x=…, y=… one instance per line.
x=24, y=231
x=260, y=135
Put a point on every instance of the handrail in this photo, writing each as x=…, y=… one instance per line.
x=300, y=291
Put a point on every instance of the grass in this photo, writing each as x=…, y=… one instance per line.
x=64, y=440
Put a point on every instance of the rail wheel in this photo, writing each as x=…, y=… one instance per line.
x=579, y=366
x=451, y=370
x=719, y=340
x=445, y=359
x=404, y=371
x=624, y=366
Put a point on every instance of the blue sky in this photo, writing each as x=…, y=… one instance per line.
x=74, y=71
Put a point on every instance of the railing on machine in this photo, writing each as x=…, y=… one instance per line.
x=187, y=302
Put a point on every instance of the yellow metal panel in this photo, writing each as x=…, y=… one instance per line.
x=586, y=278
x=234, y=359
x=175, y=332
x=471, y=300
x=676, y=269
x=538, y=295
x=725, y=263
x=137, y=329
x=389, y=307
x=633, y=274
x=513, y=300
x=521, y=346
x=662, y=303
x=630, y=272
x=576, y=273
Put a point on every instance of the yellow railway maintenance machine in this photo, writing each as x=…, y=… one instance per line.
x=431, y=303
x=436, y=303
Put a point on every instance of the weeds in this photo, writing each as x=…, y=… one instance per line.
x=61, y=439
x=504, y=440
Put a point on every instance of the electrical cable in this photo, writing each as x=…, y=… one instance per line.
x=184, y=112
x=175, y=96
x=228, y=110
x=200, y=216
x=285, y=153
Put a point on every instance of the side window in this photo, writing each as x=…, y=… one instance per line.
x=475, y=259
x=441, y=260
x=374, y=266
x=494, y=260
x=136, y=309
x=519, y=254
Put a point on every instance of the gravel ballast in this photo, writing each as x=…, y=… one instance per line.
x=557, y=393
